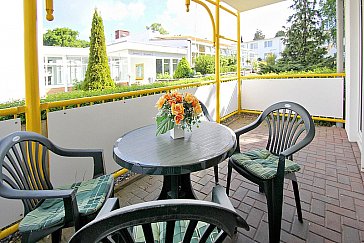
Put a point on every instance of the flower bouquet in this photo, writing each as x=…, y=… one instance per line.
x=177, y=109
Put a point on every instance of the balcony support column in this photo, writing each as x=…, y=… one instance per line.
x=32, y=98
x=217, y=58
x=339, y=36
x=238, y=60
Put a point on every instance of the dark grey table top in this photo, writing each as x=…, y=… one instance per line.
x=143, y=152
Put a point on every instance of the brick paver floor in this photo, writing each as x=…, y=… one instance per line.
x=330, y=183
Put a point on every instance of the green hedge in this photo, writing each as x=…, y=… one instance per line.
x=76, y=94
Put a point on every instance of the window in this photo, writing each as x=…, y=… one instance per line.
x=139, y=71
x=166, y=65
x=201, y=48
x=253, y=45
x=158, y=66
x=175, y=63
x=267, y=43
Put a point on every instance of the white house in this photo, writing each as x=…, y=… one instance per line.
x=130, y=62
x=266, y=46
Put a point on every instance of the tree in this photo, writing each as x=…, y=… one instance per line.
x=271, y=59
x=205, y=64
x=304, y=39
x=98, y=70
x=259, y=35
x=158, y=28
x=183, y=69
x=63, y=37
x=328, y=14
x=280, y=33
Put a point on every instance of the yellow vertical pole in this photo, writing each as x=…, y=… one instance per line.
x=217, y=58
x=32, y=98
x=238, y=61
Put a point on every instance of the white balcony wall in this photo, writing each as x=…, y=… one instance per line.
x=11, y=210
x=99, y=126
x=320, y=96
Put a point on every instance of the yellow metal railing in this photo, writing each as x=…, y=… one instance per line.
x=15, y=111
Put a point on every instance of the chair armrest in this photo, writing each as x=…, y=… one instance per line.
x=219, y=196
x=246, y=129
x=68, y=196
x=34, y=194
x=96, y=154
x=110, y=205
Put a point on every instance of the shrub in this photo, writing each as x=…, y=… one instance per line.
x=164, y=76
x=183, y=69
x=205, y=64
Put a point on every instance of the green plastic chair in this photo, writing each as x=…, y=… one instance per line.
x=173, y=220
x=209, y=118
x=24, y=159
x=290, y=129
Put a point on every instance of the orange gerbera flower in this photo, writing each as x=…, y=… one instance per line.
x=195, y=102
x=160, y=102
x=178, y=97
x=167, y=96
x=177, y=109
x=198, y=109
x=189, y=98
x=178, y=118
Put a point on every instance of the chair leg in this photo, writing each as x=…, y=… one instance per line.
x=216, y=172
x=274, y=194
x=230, y=170
x=261, y=189
x=57, y=236
x=25, y=237
x=297, y=199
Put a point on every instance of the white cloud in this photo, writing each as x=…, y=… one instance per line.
x=117, y=10
x=197, y=22
x=177, y=21
x=136, y=10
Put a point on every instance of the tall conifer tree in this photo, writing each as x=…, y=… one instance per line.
x=305, y=38
x=98, y=70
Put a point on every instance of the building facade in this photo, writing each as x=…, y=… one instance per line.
x=262, y=48
x=130, y=62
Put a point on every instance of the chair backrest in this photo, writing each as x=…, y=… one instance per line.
x=118, y=225
x=206, y=112
x=24, y=165
x=288, y=123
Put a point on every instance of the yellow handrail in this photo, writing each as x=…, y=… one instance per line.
x=54, y=104
x=287, y=76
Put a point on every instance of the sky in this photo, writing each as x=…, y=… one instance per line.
x=135, y=15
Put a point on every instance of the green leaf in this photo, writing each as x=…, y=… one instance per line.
x=164, y=124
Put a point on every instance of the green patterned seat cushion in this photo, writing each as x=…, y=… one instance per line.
x=179, y=232
x=90, y=197
x=263, y=164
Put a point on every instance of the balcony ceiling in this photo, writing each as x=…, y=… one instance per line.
x=245, y=5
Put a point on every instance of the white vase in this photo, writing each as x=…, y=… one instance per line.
x=177, y=132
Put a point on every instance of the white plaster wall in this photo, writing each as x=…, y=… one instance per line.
x=97, y=126
x=12, y=73
x=352, y=68
x=11, y=209
x=149, y=68
x=12, y=52
x=320, y=96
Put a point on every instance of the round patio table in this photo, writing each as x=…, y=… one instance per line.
x=142, y=152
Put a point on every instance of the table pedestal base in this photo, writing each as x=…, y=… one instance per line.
x=177, y=186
